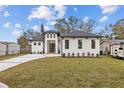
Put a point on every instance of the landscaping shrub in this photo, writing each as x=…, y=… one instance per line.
x=78, y=54
x=83, y=54
x=88, y=54
x=97, y=55
x=68, y=54
x=63, y=54
x=92, y=54
x=72, y=54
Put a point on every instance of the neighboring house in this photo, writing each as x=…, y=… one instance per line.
x=112, y=47
x=2, y=49
x=75, y=43
x=105, y=47
x=11, y=48
x=117, y=48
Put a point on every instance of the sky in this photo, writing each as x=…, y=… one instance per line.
x=16, y=18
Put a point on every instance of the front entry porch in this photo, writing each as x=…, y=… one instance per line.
x=51, y=48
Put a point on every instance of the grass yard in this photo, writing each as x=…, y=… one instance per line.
x=67, y=73
x=9, y=56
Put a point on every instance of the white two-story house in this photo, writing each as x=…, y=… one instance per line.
x=74, y=43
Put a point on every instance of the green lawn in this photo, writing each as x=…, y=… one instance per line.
x=9, y=56
x=66, y=72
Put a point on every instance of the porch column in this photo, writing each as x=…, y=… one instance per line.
x=45, y=47
x=56, y=43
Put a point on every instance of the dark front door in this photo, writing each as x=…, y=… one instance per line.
x=52, y=47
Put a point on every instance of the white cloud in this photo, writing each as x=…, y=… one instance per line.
x=7, y=25
x=16, y=32
x=6, y=14
x=104, y=18
x=46, y=28
x=48, y=13
x=109, y=9
x=51, y=23
x=75, y=9
x=27, y=24
x=36, y=27
x=17, y=25
x=86, y=18
x=61, y=10
x=42, y=12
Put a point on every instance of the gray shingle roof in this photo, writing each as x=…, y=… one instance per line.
x=114, y=42
x=6, y=43
x=77, y=34
x=40, y=37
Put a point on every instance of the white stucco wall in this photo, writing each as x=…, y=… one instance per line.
x=13, y=48
x=86, y=46
x=116, y=52
x=37, y=48
x=2, y=49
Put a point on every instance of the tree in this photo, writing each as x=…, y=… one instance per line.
x=118, y=30
x=24, y=44
x=107, y=32
x=68, y=25
x=87, y=26
x=62, y=25
x=72, y=23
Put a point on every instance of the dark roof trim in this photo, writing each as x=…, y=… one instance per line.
x=51, y=31
x=78, y=34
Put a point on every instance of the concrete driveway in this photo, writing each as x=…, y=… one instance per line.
x=8, y=63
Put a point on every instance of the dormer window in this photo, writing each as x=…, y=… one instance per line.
x=39, y=43
x=34, y=43
x=47, y=35
x=50, y=35
x=54, y=36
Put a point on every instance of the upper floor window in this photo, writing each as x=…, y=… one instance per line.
x=79, y=44
x=47, y=35
x=93, y=44
x=39, y=43
x=34, y=43
x=66, y=44
x=54, y=35
x=50, y=35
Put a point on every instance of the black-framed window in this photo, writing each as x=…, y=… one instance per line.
x=66, y=44
x=39, y=43
x=50, y=35
x=47, y=35
x=93, y=44
x=54, y=35
x=34, y=43
x=79, y=44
